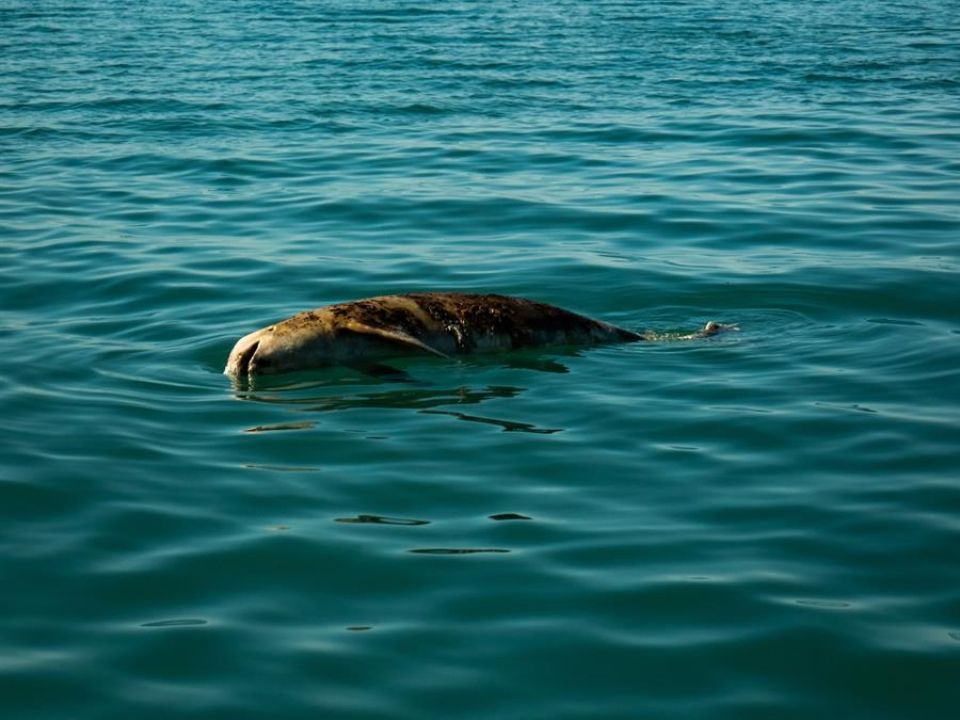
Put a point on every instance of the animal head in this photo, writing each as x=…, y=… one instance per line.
x=318, y=339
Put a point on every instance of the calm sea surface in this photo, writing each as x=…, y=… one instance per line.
x=761, y=525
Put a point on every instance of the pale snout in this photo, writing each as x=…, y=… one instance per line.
x=241, y=357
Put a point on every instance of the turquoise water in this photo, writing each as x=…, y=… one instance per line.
x=761, y=525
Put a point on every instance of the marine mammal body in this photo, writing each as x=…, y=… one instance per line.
x=369, y=331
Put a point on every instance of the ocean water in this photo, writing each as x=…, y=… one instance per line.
x=765, y=524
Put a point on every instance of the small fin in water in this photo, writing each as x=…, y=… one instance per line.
x=397, y=336
x=709, y=330
x=714, y=328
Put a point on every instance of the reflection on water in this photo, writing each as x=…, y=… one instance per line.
x=424, y=401
x=507, y=425
x=521, y=362
x=415, y=399
x=539, y=360
x=400, y=398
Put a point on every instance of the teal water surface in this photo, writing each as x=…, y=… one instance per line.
x=765, y=524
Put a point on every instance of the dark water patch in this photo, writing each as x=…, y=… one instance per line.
x=456, y=551
x=283, y=468
x=856, y=407
x=889, y=321
x=381, y=520
x=177, y=622
x=825, y=604
x=305, y=425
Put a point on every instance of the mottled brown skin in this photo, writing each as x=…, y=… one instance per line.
x=369, y=331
